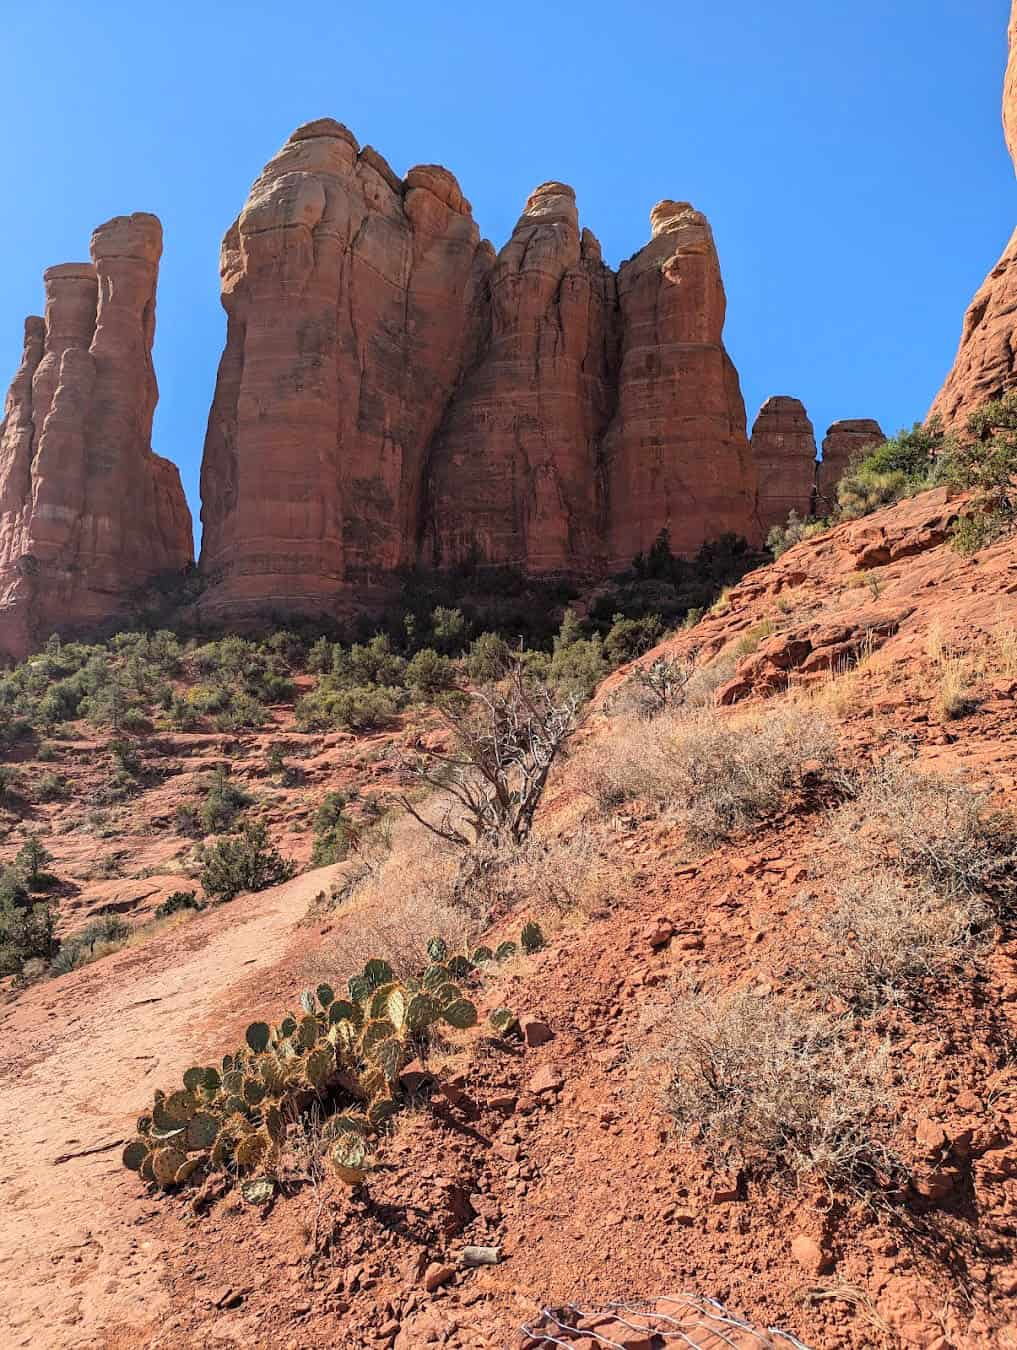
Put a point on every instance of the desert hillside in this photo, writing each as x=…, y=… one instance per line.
x=761, y=1051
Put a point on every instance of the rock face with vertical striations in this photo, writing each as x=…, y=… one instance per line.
x=351, y=303
x=514, y=471
x=393, y=392
x=986, y=363
x=844, y=441
x=88, y=514
x=676, y=454
x=784, y=451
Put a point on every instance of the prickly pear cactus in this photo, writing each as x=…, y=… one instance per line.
x=345, y=1053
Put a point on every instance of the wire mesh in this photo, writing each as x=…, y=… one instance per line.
x=689, y=1320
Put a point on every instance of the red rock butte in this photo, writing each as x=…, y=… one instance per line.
x=88, y=514
x=393, y=391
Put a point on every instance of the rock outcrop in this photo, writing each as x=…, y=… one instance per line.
x=88, y=514
x=351, y=298
x=676, y=454
x=784, y=451
x=986, y=363
x=843, y=442
x=393, y=392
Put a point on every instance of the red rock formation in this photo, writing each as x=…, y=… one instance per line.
x=515, y=466
x=843, y=442
x=88, y=513
x=392, y=392
x=784, y=450
x=350, y=298
x=676, y=453
x=985, y=366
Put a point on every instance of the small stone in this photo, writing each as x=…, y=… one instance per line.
x=810, y=1255
x=930, y=1136
x=545, y=1080
x=436, y=1275
x=535, y=1032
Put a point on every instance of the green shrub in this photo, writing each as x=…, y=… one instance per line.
x=223, y=802
x=489, y=658
x=986, y=465
x=373, y=663
x=26, y=929
x=50, y=788
x=629, y=638
x=176, y=902
x=30, y=863
x=783, y=537
x=578, y=667
x=96, y=939
x=430, y=673
x=448, y=629
x=334, y=832
x=242, y=862
x=905, y=464
x=356, y=709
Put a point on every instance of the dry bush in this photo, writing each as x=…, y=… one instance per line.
x=778, y=1091
x=1004, y=656
x=891, y=938
x=405, y=897
x=550, y=877
x=932, y=829
x=955, y=696
x=717, y=774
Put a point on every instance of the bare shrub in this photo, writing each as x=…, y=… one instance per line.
x=717, y=774
x=890, y=938
x=506, y=738
x=658, y=687
x=779, y=1091
x=932, y=829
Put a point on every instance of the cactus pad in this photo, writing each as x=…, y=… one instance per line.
x=503, y=1020
x=532, y=938
x=258, y=1190
x=505, y=950
x=202, y=1131
x=437, y=949
x=257, y=1036
x=461, y=1013
x=166, y=1163
x=135, y=1154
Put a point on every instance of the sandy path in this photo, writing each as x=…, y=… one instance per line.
x=79, y=1057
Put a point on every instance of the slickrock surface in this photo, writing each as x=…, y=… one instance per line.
x=985, y=366
x=784, y=449
x=842, y=442
x=393, y=392
x=87, y=512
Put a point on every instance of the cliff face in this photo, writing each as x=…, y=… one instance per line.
x=87, y=512
x=784, y=451
x=986, y=364
x=350, y=303
x=393, y=392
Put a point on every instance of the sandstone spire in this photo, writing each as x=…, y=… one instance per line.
x=784, y=450
x=514, y=468
x=676, y=454
x=844, y=441
x=349, y=296
x=88, y=513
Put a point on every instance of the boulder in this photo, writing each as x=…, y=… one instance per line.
x=88, y=513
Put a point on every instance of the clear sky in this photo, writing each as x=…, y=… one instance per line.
x=847, y=152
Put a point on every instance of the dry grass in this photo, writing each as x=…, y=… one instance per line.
x=1004, y=655
x=749, y=641
x=717, y=775
x=930, y=829
x=399, y=902
x=890, y=938
x=955, y=695
x=769, y=1088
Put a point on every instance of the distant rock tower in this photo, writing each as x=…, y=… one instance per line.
x=88, y=514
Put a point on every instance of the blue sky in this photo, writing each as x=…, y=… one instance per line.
x=847, y=152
